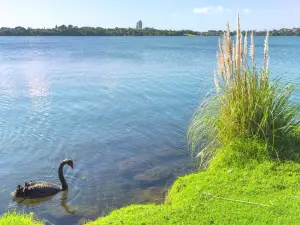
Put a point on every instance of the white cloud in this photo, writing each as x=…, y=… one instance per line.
x=246, y=11
x=211, y=10
x=174, y=14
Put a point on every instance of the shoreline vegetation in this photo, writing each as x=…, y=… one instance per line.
x=71, y=30
x=247, y=137
x=12, y=218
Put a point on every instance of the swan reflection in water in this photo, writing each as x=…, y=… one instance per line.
x=37, y=201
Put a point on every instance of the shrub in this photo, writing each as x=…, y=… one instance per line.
x=247, y=103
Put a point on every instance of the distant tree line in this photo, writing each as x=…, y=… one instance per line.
x=71, y=30
x=281, y=32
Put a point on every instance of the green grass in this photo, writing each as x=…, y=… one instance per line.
x=15, y=218
x=187, y=203
x=241, y=173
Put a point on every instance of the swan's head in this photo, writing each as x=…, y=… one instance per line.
x=19, y=192
x=69, y=162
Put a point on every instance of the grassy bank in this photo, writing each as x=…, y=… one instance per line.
x=190, y=35
x=267, y=193
x=18, y=219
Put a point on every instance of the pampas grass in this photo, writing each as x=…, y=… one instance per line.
x=247, y=103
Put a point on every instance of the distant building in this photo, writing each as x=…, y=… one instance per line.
x=139, y=25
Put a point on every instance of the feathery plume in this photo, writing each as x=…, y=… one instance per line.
x=216, y=82
x=266, y=52
x=241, y=50
x=245, y=45
x=251, y=52
x=237, y=49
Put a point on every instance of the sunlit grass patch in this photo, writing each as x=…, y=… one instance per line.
x=14, y=218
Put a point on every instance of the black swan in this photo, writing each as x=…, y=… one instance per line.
x=40, y=189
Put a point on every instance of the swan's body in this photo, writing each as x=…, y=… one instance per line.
x=40, y=189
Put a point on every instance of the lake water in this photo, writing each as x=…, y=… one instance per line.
x=118, y=106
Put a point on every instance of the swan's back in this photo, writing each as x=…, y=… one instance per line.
x=38, y=189
x=41, y=189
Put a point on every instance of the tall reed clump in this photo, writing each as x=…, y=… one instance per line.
x=247, y=103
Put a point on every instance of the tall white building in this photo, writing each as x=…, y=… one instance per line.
x=139, y=25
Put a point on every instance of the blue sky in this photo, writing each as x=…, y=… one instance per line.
x=162, y=14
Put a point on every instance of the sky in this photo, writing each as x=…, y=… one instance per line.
x=199, y=15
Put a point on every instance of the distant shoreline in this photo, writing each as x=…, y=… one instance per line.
x=98, y=31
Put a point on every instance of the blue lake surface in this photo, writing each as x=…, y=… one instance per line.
x=118, y=106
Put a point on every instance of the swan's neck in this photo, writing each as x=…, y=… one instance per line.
x=64, y=185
